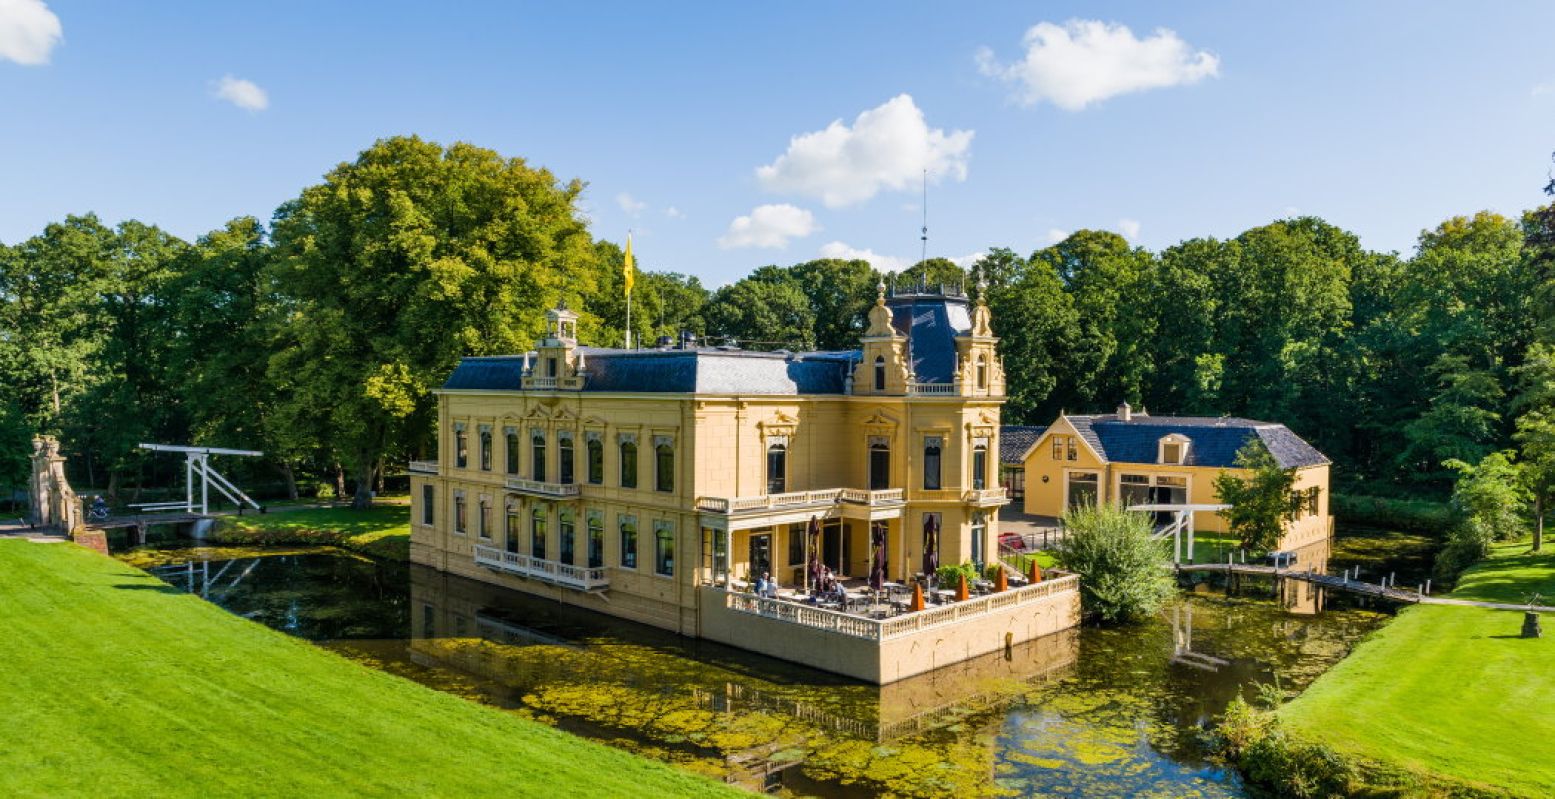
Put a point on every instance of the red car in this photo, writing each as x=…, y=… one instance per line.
x=1012, y=541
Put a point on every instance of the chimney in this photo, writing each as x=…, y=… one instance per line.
x=1125, y=413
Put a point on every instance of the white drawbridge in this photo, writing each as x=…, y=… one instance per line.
x=197, y=464
x=1182, y=522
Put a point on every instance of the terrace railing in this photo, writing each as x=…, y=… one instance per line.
x=934, y=389
x=566, y=574
x=423, y=467
x=883, y=629
x=798, y=499
x=537, y=488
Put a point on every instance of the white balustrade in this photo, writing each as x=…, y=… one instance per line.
x=566, y=574
x=423, y=467
x=794, y=499
x=558, y=490
x=934, y=389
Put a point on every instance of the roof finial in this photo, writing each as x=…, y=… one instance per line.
x=880, y=292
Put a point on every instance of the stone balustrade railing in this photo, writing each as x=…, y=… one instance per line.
x=796, y=499
x=423, y=467
x=583, y=577
x=555, y=490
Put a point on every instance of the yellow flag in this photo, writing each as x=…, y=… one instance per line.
x=627, y=272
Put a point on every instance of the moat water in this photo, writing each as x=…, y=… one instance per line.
x=1093, y=712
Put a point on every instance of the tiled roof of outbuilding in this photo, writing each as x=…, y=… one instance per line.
x=1215, y=440
x=1015, y=439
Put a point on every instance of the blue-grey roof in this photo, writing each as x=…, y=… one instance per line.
x=931, y=322
x=1015, y=439
x=1215, y=440
x=703, y=371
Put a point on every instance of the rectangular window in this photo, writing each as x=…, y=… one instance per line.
x=485, y=449
x=459, y=513
x=931, y=463
x=483, y=524
x=628, y=463
x=461, y=447
x=564, y=458
x=1134, y=489
x=515, y=528
x=1171, y=453
x=1058, y=448
x=596, y=542
x=979, y=468
x=537, y=455
x=428, y=514
x=595, y=454
x=628, y=542
x=537, y=534
x=664, y=548
x=796, y=544
x=1073, y=447
x=664, y=466
x=511, y=450
x=879, y=466
x=1083, y=488
x=565, y=529
x=777, y=468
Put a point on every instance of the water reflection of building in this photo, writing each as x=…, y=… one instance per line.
x=657, y=485
x=721, y=705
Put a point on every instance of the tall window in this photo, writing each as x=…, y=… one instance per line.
x=777, y=467
x=1073, y=448
x=663, y=548
x=515, y=528
x=595, y=453
x=980, y=467
x=1082, y=490
x=1058, y=448
x=461, y=447
x=796, y=543
x=979, y=537
x=931, y=463
x=982, y=371
x=596, y=542
x=428, y=493
x=485, y=449
x=879, y=373
x=483, y=523
x=879, y=464
x=564, y=458
x=537, y=534
x=537, y=456
x=664, y=466
x=628, y=542
x=565, y=531
x=461, y=523
x=628, y=463
x=512, y=451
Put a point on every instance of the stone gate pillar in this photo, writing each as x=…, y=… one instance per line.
x=53, y=503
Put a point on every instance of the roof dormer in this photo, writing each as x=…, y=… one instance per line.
x=1173, y=449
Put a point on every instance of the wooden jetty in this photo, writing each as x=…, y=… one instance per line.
x=1338, y=583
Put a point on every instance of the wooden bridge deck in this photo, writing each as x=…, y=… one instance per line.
x=1353, y=586
x=143, y=520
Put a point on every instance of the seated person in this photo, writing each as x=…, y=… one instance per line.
x=761, y=585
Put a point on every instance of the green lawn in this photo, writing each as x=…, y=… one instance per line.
x=1450, y=694
x=116, y=685
x=381, y=531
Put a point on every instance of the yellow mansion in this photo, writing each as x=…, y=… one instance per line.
x=661, y=485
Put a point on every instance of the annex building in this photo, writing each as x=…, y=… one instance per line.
x=660, y=485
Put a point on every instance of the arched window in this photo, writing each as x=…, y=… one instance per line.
x=777, y=467
x=979, y=467
x=513, y=451
x=931, y=463
x=628, y=542
x=460, y=522
x=483, y=524
x=664, y=549
x=537, y=456
x=879, y=373
x=564, y=457
x=537, y=534
x=879, y=464
x=461, y=447
x=595, y=452
x=515, y=528
x=982, y=371
x=664, y=466
x=596, y=543
x=485, y=449
x=628, y=463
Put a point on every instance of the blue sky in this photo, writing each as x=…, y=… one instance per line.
x=1162, y=122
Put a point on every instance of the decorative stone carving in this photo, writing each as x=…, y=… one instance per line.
x=52, y=502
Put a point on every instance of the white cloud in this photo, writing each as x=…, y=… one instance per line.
x=28, y=32
x=887, y=147
x=881, y=263
x=769, y=226
x=1129, y=228
x=631, y=205
x=1087, y=61
x=244, y=94
x=966, y=261
x=1542, y=88
x=1054, y=235
x=674, y=213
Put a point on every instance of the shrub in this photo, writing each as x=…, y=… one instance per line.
x=1467, y=544
x=1268, y=757
x=1384, y=513
x=1123, y=574
x=948, y=573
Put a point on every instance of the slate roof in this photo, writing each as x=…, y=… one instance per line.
x=703, y=371
x=931, y=321
x=1015, y=439
x=1215, y=440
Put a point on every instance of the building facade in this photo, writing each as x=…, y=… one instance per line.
x=1132, y=458
x=633, y=481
